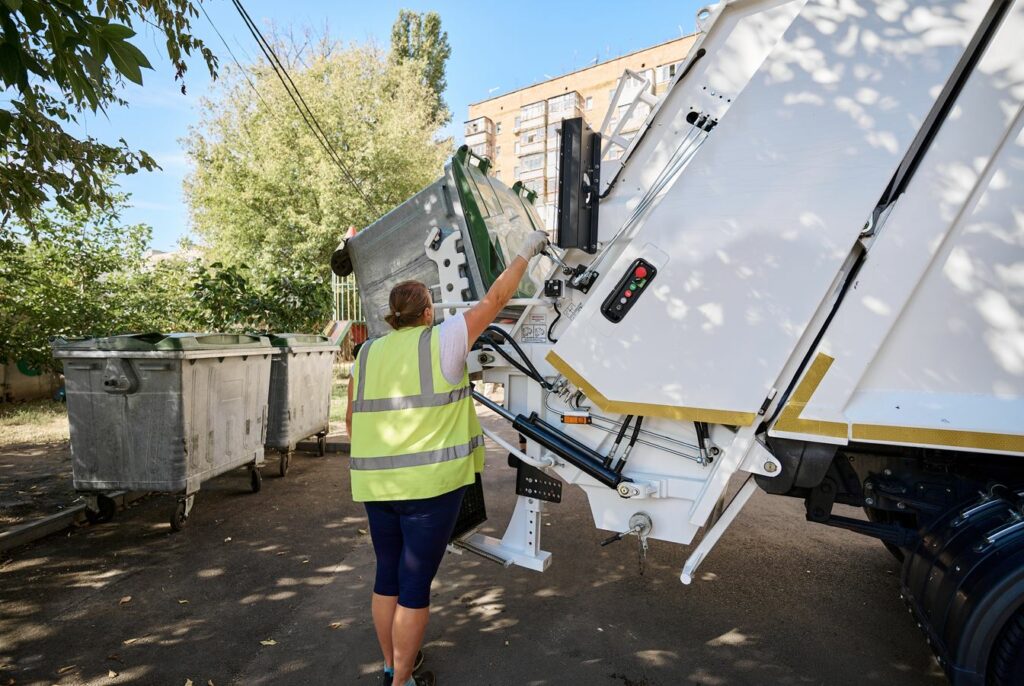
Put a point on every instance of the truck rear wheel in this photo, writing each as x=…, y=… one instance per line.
x=964, y=582
x=1007, y=665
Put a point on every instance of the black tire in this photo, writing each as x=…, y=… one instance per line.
x=255, y=480
x=178, y=516
x=321, y=445
x=107, y=509
x=284, y=463
x=1006, y=666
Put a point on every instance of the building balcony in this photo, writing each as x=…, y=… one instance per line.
x=531, y=149
x=479, y=138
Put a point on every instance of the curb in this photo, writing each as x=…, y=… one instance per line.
x=28, y=532
x=311, y=447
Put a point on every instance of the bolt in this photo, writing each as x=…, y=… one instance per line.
x=901, y=506
x=770, y=467
x=715, y=451
x=887, y=472
x=869, y=501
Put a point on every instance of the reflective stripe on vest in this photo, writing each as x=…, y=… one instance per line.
x=411, y=445
x=454, y=452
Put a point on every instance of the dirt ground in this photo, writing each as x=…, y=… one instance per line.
x=272, y=588
x=35, y=480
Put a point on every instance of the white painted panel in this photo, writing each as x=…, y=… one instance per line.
x=759, y=224
x=940, y=367
x=955, y=359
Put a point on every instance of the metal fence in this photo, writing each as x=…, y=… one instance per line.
x=347, y=305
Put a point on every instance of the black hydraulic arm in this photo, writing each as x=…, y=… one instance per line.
x=558, y=442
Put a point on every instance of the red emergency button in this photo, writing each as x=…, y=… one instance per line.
x=628, y=294
x=641, y=272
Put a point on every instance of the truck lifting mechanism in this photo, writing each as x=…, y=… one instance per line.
x=805, y=274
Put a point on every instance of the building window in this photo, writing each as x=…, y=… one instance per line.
x=667, y=72
x=497, y=128
x=518, y=122
x=515, y=173
x=532, y=162
x=532, y=136
x=590, y=102
x=534, y=110
x=517, y=147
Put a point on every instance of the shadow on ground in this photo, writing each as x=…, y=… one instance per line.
x=273, y=589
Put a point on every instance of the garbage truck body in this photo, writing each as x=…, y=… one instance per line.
x=804, y=274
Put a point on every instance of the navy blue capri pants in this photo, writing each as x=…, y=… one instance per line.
x=409, y=538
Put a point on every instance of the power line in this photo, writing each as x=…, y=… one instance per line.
x=300, y=103
x=245, y=72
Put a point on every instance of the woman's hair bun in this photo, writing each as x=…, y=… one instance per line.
x=407, y=302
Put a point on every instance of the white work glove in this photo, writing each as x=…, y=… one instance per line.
x=533, y=245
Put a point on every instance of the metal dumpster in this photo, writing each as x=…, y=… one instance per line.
x=164, y=413
x=300, y=392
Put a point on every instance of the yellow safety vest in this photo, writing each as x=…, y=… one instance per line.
x=414, y=435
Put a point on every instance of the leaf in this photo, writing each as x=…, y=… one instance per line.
x=188, y=682
x=124, y=60
x=125, y=600
x=337, y=625
x=111, y=674
x=268, y=642
x=182, y=602
x=13, y=5
x=65, y=670
x=116, y=32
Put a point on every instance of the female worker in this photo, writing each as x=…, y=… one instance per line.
x=416, y=445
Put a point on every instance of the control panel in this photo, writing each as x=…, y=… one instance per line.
x=629, y=289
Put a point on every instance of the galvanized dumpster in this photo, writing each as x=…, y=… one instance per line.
x=155, y=412
x=300, y=392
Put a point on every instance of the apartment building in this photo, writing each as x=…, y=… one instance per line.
x=519, y=131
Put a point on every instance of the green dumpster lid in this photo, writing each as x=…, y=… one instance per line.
x=162, y=341
x=287, y=340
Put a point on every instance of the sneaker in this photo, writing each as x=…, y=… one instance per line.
x=389, y=679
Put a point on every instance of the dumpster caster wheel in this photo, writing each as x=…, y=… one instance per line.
x=321, y=445
x=256, y=480
x=181, y=512
x=104, y=512
x=283, y=465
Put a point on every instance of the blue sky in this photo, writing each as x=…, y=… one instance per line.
x=496, y=48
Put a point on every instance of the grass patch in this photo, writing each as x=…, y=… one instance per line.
x=339, y=402
x=38, y=421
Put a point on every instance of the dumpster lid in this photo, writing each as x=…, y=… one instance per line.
x=161, y=341
x=288, y=340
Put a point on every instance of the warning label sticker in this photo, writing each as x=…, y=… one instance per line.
x=535, y=328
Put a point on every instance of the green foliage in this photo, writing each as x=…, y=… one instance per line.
x=418, y=38
x=265, y=194
x=59, y=59
x=235, y=298
x=85, y=274
x=72, y=278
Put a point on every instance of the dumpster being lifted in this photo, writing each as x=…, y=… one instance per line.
x=300, y=393
x=163, y=413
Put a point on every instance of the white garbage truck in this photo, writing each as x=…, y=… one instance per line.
x=804, y=274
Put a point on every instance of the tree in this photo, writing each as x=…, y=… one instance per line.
x=58, y=60
x=264, y=193
x=72, y=277
x=418, y=38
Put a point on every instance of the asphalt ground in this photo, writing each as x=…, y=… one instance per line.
x=273, y=588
